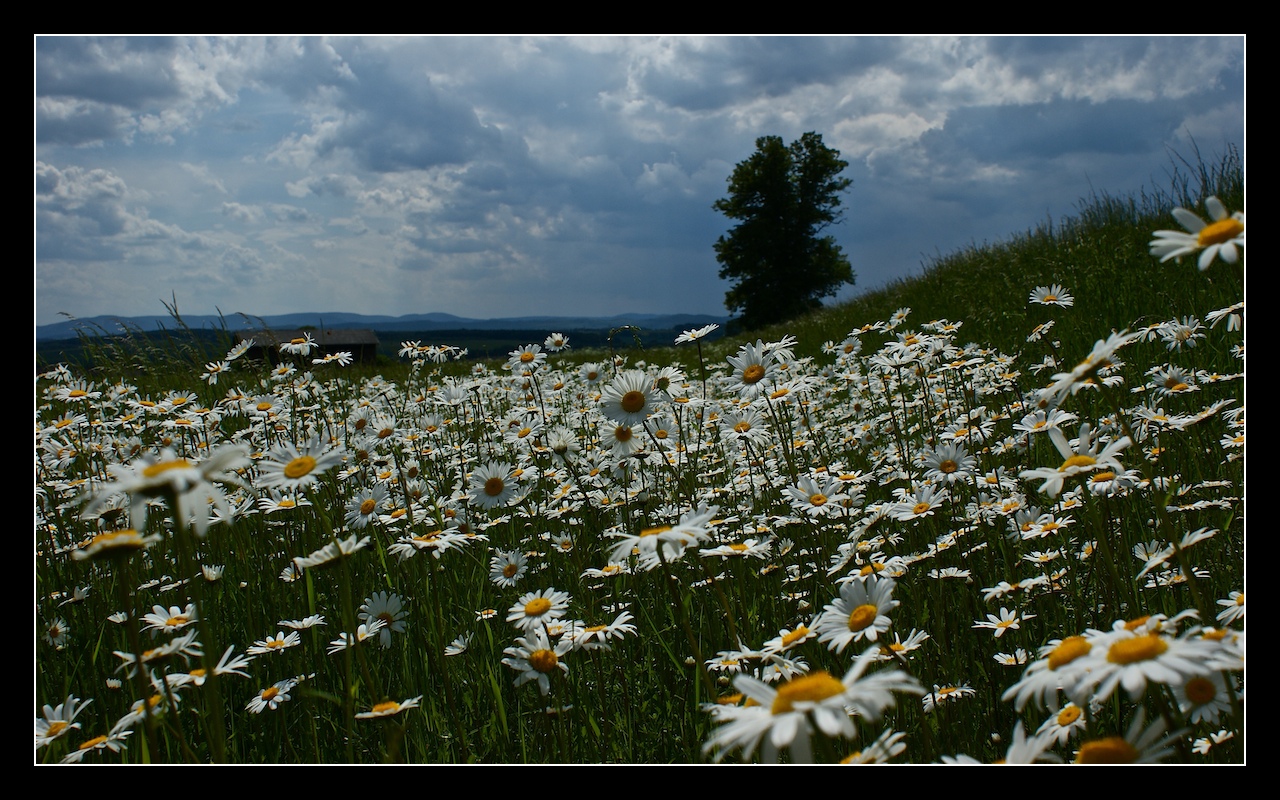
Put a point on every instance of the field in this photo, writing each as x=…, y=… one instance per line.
x=992, y=513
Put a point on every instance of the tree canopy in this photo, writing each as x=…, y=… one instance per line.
x=783, y=196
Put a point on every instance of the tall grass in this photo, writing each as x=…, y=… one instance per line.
x=889, y=494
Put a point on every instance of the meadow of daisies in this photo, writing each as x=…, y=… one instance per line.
x=889, y=543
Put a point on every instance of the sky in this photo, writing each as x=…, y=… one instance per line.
x=497, y=177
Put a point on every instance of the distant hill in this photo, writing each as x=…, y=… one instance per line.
x=436, y=321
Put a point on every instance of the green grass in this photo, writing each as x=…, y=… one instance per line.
x=859, y=429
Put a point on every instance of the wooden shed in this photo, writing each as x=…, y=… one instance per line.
x=361, y=343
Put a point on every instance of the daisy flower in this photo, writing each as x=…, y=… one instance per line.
x=789, y=714
x=507, y=567
x=950, y=463
x=56, y=633
x=362, y=633
x=1005, y=621
x=1133, y=658
x=696, y=333
x=330, y=553
x=389, y=708
x=1083, y=458
x=1139, y=745
x=887, y=745
x=597, y=637
x=1204, y=698
x=113, y=742
x=162, y=620
x=459, y=645
x=1233, y=608
x=364, y=507
x=556, y=342
x=816, y=499
x=275, y=644
x=526, y=359
x=1065, y=724
x=304, y=623
x=536, y=608
x=944, y=694
x=861, y=611
x=190, y=484
x=388, y=609
x=272, y=696
x=536, y=659
x=627, y=399
x=1223, y=237
x=492, y=485
x=1053, y=295
x=291, y=468
x=58, y=720
x=753, y=370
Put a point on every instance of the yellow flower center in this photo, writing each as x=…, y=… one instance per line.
x=164, y=466
x=813, y=688
x=920, y=508
x=389, y=707
x=1103, y=477
x=1137, y=648
x=1069, y=715
x=1077, y=461
x=94, y=742
x=543, y=660
x=385, y=432
x=753, y=374
x=523, y=432
x=1111, y=750
x=55, y=728
x=263, y=406
x=818, y=499
x=738, y=547
x=633, y=402
x=947, y=467
x=175, y=621
x=1069, y=650
x=1201, y=690
x=1220, y=232
x=862, y=617
x=622, y=433
x=367, y=506
x=537, y=607
x=302, y=465
x=275, y=643
x=270, y=694
x=526, y=357
x=494, y=486
x=510, y=570
x=1050, y=298
x=795, y=636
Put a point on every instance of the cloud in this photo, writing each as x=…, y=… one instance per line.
x=487, y=175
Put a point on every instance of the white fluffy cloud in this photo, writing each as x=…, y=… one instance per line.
x=499, y=176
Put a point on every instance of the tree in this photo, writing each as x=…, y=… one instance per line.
x=783, y=197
